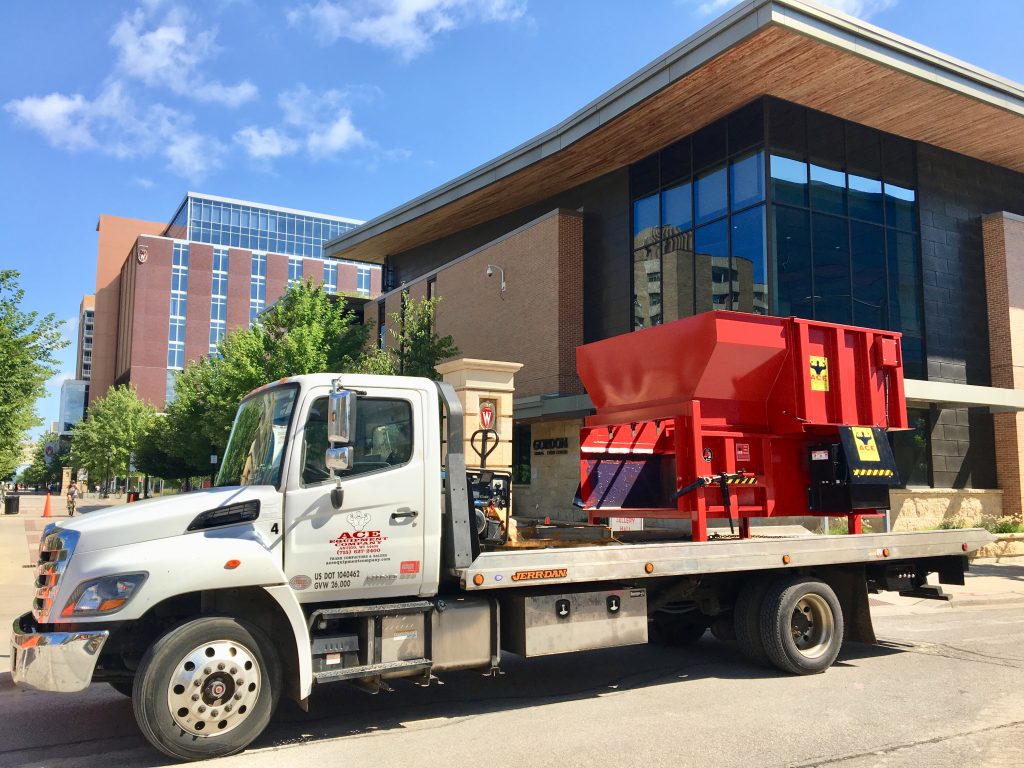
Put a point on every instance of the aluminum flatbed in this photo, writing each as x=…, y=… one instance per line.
x=631, y=562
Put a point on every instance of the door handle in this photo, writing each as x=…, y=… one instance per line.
x=402, y=513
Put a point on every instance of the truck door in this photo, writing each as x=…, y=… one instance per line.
x=372, y=546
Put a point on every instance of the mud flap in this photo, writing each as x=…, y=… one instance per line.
x=851, y=587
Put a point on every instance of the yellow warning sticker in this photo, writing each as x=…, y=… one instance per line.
x=864, y=439
x=819, y=374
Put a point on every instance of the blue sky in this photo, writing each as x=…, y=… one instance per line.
x=348, y=107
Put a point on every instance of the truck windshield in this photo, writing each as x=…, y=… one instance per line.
x=255, y=450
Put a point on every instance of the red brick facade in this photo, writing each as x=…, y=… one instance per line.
x=543, y=266
x=1003, y=237
x=138, y=351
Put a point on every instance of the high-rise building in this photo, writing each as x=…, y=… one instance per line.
x=86, y=331
x=74, y=394
x=214, y=268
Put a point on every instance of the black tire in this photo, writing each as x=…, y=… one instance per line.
x=226, y=692
x=124, y=687
x=679, y=630
x=746, y=619
x=801, y=625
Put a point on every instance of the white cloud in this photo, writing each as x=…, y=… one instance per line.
x=115, y=125
x=325, y=119
x=863, y=9
x=336, y=137
x=58, y=117
x=165, y=55
x=142, y=181
x=405, y=26
x=265, y=143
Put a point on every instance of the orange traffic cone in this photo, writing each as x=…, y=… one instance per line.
x=46, y=507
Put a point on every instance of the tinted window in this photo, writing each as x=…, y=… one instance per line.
x=789, y=180
x=647, y=287
x=645, y=221
x=793, y=262
x=747, y=180
x=831, y=269
x=828, y=190
x=255, y=449
x=712, y=200
x=677, y=276
x=383, y=438
x=714, y=276
x=900, y=207
x=677, y=209
x=869, y=288
x=749, y=261
x=865, y=198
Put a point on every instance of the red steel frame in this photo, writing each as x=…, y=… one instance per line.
x=725, y=379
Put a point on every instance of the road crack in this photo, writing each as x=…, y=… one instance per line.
x=907, y=745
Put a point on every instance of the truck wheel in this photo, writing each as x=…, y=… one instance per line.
x=801, y=625
x=207, y=688
x=746, y=620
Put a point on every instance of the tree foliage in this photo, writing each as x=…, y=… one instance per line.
x=418, y=347
x=27, y=346
x=307, y=331
x=103, y=443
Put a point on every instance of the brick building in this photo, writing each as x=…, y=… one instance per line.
x=180, y=287
x=786, y=159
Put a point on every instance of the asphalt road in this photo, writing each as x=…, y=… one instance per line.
x=944, y=688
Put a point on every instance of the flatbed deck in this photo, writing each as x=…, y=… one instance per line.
x=630, y=562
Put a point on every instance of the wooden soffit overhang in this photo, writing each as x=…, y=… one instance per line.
x=796, y=51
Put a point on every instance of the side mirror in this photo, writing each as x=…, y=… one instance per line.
x=339, y=459
x=341, y=417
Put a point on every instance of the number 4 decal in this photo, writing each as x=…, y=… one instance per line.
x=274, y=528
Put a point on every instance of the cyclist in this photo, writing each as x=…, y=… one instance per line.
x=72, y=498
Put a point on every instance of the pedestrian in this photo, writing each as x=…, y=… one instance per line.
x=72, y=498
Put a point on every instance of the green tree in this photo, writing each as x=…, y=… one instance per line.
x=157, y=455
x=104, y=442
x=306, y=331
x=27, y=346
x=417, y=348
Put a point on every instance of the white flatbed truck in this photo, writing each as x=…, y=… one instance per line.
x=312, y=564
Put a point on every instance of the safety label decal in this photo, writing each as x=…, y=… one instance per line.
x=873, y=473
x=864, y=439
x=819, y=373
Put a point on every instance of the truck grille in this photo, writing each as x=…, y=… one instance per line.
x=55, y=549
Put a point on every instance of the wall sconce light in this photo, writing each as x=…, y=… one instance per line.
x=490, y=273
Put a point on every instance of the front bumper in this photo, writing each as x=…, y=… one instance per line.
x=53, y=661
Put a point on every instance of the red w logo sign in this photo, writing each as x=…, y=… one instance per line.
x=487, y=415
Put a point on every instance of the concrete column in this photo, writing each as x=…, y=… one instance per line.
x=1003, y=240
x=480, y=382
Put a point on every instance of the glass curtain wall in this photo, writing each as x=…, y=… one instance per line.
x=844, y=220
x=698, y=216
x=257, y=228
x=836, y=201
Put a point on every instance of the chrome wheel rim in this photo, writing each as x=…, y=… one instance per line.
x=214, y=688
x=812, y=626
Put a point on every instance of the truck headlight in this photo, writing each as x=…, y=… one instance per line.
x=104, y=595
